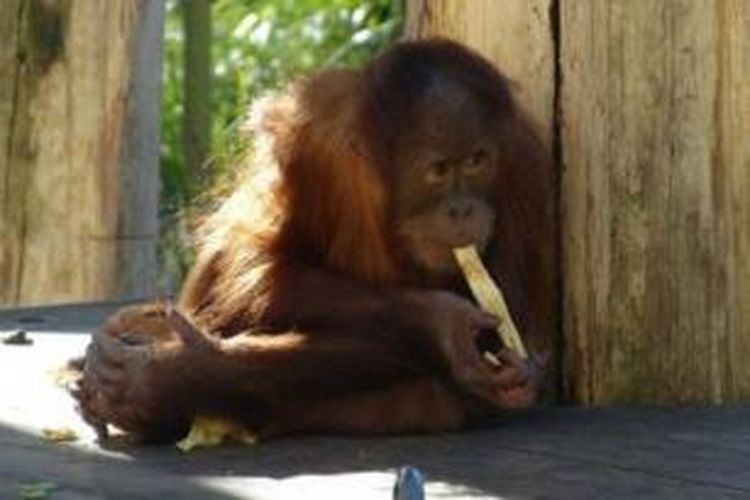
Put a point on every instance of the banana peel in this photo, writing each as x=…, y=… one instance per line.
x=209, y=432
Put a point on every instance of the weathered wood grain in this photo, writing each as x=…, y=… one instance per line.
x=655, y=113
x=79, y=162
x=515, y=34
x=10, y=213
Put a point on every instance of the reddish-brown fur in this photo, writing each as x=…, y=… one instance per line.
x=303, y=260
x=333, y=196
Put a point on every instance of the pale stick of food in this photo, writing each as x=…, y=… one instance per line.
x=491, y=359
x=489, y=296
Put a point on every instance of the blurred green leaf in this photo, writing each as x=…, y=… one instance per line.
x=36, y=491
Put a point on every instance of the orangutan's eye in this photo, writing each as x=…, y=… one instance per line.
x=438, y=171
x=477, y=162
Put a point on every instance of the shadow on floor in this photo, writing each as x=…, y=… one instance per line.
x=27, y=462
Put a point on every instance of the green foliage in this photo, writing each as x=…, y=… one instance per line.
x=259, y=45
x=36, y=491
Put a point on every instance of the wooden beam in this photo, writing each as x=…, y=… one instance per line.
x=655, y=104
x=79, y=89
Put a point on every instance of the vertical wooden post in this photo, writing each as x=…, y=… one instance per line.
x=79, y=87
x=515, y=34
x=196, y=137
x=655, y=113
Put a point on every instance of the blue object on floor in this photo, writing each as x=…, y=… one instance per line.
x=409, y=484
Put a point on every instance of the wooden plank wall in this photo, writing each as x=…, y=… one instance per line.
x=79, y=87
x=652, y=107
x=655, y=107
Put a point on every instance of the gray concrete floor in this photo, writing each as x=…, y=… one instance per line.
x=548, y=453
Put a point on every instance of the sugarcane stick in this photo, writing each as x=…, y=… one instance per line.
x=489, y=296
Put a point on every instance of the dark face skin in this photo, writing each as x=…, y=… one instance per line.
x=447, y=165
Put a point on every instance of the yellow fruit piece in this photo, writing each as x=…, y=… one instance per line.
x=65, y=376
x=61, y=435
x=207, y=432
x=489, y=296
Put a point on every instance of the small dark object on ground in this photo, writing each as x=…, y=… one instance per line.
x=18, y=337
